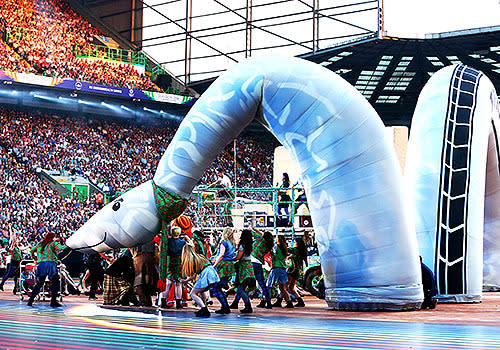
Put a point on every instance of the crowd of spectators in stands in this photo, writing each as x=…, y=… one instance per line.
x=113, y=155
x=12, y=62
x=42, y=34
x=29, y=207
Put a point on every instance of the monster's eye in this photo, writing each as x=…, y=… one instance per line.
x=116, y=206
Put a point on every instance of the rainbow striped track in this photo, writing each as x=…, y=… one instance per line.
x=88, y=326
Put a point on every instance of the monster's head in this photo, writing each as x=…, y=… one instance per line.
x=129, y=220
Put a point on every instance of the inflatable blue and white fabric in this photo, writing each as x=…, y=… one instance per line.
x=452, y=174
x=351, y=176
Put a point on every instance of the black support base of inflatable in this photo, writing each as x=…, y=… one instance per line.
x=373, y=305
x=459, y=298
x=353, y=306
x=491, y=288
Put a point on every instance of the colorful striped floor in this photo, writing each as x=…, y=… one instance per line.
x=88, y=326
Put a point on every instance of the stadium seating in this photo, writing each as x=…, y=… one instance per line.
x=43, y=32
x=114, y=155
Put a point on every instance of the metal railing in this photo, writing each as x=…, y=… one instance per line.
x=215, y=208
x=138, y=58
x=110, y=54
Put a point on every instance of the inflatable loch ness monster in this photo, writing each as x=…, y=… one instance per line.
x=362, y=217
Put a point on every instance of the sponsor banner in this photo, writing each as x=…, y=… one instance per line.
x=103, y=89
x=170, y=98
x=83, y=86
x=29, y=78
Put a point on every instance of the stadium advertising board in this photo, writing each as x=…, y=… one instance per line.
x=28, y=78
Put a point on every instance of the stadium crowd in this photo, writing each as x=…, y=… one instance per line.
x=42, y=34
x=12, y=61
x=113, y=155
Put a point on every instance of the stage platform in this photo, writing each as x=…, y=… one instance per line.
x=81, y=324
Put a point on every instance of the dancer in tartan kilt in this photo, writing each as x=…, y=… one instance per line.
x=246, y=276
x=46, y=260
x=174, y=267
x=225, y=260
x=195, y=264
x=263, y=243
x=118, y=281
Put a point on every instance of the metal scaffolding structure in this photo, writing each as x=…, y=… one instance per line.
x=216, y=208
x=198, y=40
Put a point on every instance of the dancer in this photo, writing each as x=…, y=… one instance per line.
x=278, y=272
x=245, y=274
x=195, y=264
x=201, y=247
x=298, y=256
x=13, y=265
x=200, y=244
x=174, y=268
x=224, y=262
x=96, y=273
x=146, y=276
x=262, y=244
x=118, y=281
x=46, y=259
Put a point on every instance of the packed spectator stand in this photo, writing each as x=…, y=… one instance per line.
x=38, y=36
x=113, y=155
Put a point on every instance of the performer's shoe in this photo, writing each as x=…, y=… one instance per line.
x=1, y=287
x=300, y=303
x=278, y=302
x=233, y=305
x=93, y=298
x=203, y=312
x=54, y=303
x=223, y=310
x=31, y=299
x=262, y=303
x=178, y=304
x=289, y=305
x=247, y=309
x=269, y=305
x=433, y=303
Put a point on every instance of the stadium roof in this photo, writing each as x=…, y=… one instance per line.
x=391, y=72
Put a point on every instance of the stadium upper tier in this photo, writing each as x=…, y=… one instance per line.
x=114, y=155
x=39, y=36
